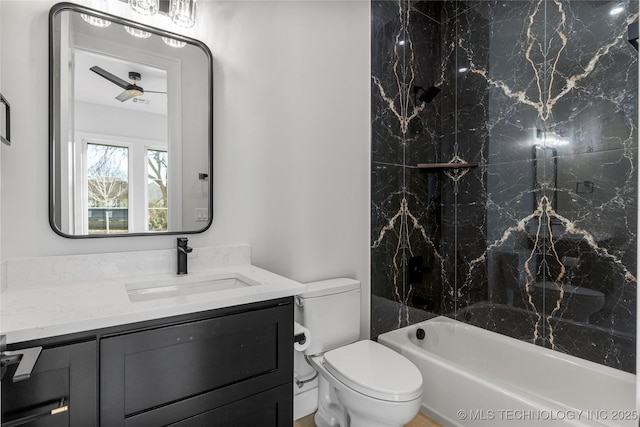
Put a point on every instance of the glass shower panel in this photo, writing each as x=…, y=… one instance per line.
x=559, y=147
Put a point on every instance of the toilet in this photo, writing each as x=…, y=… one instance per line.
x=360, y=383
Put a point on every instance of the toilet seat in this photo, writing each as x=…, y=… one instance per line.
x=375, y=371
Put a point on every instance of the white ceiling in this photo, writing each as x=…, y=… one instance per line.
x=93, y=88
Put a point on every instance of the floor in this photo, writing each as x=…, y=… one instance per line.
x=420, y=420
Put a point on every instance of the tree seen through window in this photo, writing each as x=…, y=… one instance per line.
x=108, y=188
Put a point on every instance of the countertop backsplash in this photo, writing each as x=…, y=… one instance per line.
x=32, y=273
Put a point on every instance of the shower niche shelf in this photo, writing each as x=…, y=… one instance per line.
x=435, y=167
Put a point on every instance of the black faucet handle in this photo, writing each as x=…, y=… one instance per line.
x=182, y=245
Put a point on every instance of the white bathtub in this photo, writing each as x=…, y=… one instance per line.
x=474, y=377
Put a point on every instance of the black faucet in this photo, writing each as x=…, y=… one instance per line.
x=183, y=250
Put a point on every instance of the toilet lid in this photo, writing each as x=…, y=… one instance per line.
x=375, y=370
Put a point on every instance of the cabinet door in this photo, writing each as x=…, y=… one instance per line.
x=167, y=374
x=66, y=374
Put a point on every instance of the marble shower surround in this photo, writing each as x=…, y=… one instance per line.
x=543, y=95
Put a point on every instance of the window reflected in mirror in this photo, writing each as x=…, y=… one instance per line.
x=157, y=190
x=107, y=187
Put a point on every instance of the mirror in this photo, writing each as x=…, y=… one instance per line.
x=130, y=127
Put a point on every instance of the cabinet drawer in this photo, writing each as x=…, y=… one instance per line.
x=190, y=368
x=272, y=408
x=67, y=372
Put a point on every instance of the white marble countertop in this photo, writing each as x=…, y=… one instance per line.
x=34, y=312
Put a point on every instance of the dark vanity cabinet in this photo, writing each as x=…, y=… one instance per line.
x=226, y=367
x=61, y=390
x=200, y=372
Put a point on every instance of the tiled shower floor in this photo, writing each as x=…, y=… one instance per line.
x=420, y=420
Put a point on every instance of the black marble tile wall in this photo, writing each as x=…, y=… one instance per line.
x=538, y=241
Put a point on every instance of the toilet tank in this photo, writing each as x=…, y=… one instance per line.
x=330, y=309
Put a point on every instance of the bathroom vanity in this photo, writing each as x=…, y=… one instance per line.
x=219, y=367
x=114, y=356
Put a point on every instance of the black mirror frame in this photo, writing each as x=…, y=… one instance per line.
x=66, y=6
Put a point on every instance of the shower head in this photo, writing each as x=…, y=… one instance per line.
x=425, y=95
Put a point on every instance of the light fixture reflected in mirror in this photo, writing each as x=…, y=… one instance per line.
x=173, y=42
x=95, y=21
x=137, y=32
x=145, y=7
x=183, y=12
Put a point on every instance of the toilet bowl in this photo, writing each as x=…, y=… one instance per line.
x=360, y=383
x=365, y=384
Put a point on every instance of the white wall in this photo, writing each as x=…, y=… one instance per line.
x=291, y=137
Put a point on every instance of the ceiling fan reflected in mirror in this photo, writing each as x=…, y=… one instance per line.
x=131, y=90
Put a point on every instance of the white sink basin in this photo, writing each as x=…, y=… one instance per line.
x=186, y=285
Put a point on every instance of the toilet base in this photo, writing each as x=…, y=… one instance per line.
x=330, y=413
